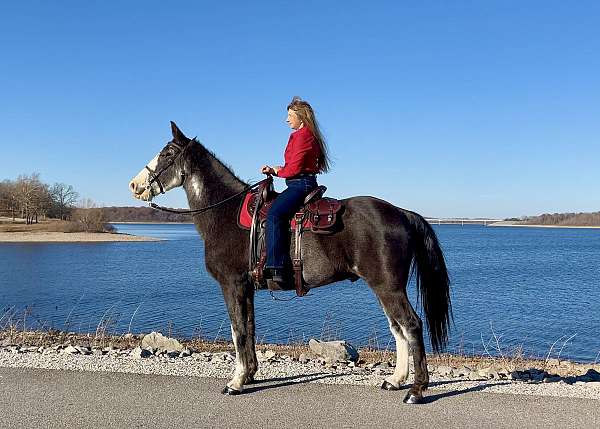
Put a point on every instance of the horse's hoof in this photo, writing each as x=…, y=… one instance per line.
x=388, y=386
x=411, y=398
x=229, y=391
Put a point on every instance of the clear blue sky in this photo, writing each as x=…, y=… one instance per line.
x=463, y=108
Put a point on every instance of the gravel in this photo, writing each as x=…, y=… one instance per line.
x=221, y=365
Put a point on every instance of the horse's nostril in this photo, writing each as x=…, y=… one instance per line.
x=132, y=186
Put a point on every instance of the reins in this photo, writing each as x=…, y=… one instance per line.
x=212, y=206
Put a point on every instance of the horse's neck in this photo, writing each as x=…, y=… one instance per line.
x=208, y=183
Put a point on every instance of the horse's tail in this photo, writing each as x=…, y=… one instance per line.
x=433, y=283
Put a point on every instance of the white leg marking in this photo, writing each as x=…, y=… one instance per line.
x=401, y=372
x=240, y=374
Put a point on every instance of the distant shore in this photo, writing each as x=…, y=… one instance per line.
x=151, y=223
x=523, y=225
x=69, y=237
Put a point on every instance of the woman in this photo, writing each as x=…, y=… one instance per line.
x=306, y=155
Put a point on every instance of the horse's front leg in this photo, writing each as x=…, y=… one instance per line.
x=241, y=313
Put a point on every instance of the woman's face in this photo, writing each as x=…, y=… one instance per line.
x=293, y=121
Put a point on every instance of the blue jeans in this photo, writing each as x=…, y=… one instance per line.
x=278, y=219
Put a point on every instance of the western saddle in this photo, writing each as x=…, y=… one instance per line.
x=318, y=215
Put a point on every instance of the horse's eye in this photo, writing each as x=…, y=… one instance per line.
x=168, y=153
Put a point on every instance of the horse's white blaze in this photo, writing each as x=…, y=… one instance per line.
x=239, y=376
x=139, y=183
x=401, y=372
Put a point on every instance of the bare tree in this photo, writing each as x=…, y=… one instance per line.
x=29, y=190
x=8, y=198
x=64, y=198
x=91, y=216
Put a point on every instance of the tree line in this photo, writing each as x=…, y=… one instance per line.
x=141, y=214
x=29, y=198
x=565, y=219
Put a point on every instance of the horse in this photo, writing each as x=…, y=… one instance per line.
x=380, y=243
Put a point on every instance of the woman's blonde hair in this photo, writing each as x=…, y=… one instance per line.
x=305, y=113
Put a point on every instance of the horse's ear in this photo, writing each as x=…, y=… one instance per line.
x=178, y=136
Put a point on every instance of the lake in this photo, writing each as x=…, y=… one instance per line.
x=529, y=289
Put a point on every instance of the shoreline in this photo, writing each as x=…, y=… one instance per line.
x=508, y=224
x=215, y=360
x=151, y=223
x=70, y=237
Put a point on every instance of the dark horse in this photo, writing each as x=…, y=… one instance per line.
x=379, y=243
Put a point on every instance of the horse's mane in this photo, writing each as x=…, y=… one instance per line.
x=215, y=160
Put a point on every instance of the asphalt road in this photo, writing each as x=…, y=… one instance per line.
x=43, y=398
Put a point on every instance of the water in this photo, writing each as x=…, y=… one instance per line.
x=534, y=289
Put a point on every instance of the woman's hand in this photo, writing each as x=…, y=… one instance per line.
x=267, y=170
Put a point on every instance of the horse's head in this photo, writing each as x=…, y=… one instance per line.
x=164, y=172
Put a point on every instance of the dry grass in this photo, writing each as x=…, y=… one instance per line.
x=51, y=225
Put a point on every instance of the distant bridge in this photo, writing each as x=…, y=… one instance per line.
x=455, y=221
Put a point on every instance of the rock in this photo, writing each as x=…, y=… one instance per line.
x=474, y=375
x=269, y=355
x=334, y=351
x=128, y=336
x=84, y=350
x=553, y=362
x=488, y=373
x=445, y=371
x=203, y=356
x=97, y=352
x=551, y=379
x=520, y=375
x=185, y=353
x=71, y=350
x=352, y=364
x=173, y=354
x=593, y=374
x=538, y=376
x=384, y=365
x=461, y=372
x=29, y=349
x=140, y=353
x=303, y=358
x=224, y=356
x=569, y=380
x=156, y=341
x=5, y=342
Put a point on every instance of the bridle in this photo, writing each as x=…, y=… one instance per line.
x=155, y=177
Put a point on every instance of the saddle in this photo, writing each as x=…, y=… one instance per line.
x=318, y=215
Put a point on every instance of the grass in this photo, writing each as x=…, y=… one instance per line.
x=50, y=225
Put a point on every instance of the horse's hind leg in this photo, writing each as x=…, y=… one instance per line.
x=399, y=310
x=395, y=381
x=251, y=341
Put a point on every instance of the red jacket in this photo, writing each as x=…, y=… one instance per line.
x=301, y=154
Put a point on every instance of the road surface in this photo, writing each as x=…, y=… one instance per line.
x=50, y=398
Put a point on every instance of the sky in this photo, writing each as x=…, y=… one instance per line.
x=451, y=109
